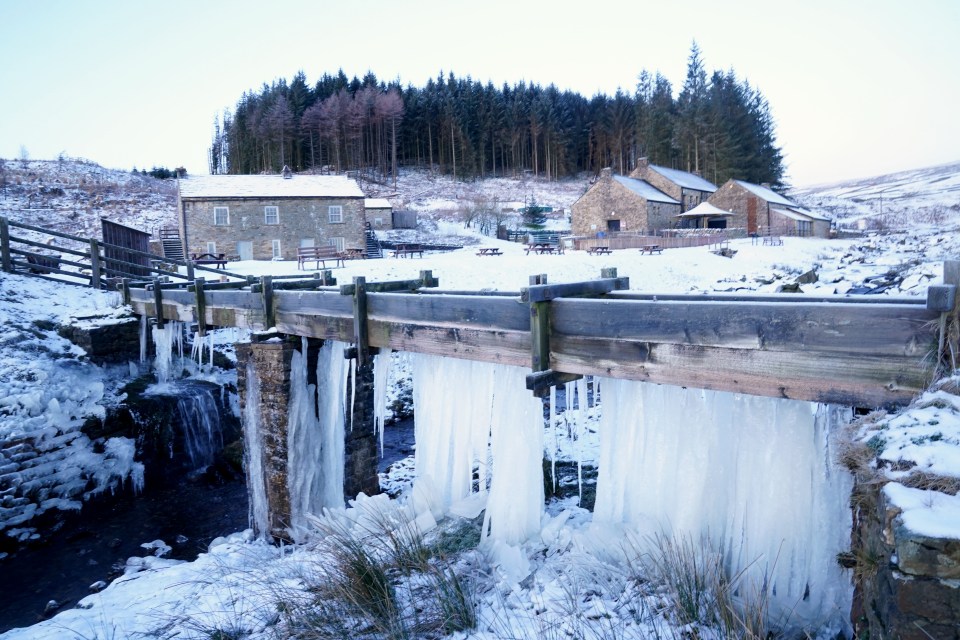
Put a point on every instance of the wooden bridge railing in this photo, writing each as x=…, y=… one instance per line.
x=854, y=351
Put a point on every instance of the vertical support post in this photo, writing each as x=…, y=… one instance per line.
x=266, y=295
x=427, y=279
x=5, y=263
x=190, y=277
x=360, y=442
x=94, y=263
x=360, y=332
x=158, y=301
x=125, y=289
x=201, y=306
x=950, y=320
x=540, y=329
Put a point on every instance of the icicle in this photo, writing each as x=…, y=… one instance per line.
x=353, y=389
x=253, y=455
x=143, y=339
x=553, y=440
x=381, y=374
x=165, y=340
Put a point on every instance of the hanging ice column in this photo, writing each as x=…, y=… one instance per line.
x=491, y=420
x=755, y=476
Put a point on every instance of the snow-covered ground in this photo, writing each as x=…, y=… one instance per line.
x=244, y=588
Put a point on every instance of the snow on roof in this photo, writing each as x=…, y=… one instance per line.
x=705, y=209
x=810, y=214
x=377, y=203
x=271, y=186
x=767, y=194
x=645, y=189
x=793, y=215
x=684, y=179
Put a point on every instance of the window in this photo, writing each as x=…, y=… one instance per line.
x=271, y=215
x=276, y=250
x=306, y=242
x=335, y=213
x=212, y=248
x=221, y=216
x=337, y=242
x=378, y=222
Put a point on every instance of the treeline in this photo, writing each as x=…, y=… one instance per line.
x=718, y=126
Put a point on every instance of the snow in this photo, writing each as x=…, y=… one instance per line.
x=561, y=570
x=268, y=186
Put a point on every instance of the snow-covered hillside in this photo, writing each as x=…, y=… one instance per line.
x=896, y=201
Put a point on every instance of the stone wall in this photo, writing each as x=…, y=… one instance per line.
x=117, y=342
x=608, y=200
x=299, y=219
x=908, y=586
x=734, y=198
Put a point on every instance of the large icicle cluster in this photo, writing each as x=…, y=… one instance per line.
x=253, y=454
x=754, y=476
x=315, y=434
x=490, y=437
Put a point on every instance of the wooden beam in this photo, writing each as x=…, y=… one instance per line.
x=201, y=306
x=540, y=381
x=5, y=263
x=544, y=293
x=158, y=302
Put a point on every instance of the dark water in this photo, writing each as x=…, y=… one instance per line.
x=94, y=544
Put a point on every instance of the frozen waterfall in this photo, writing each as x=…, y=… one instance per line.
x=754, y=476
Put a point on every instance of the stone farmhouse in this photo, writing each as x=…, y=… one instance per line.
x=264, y=217
x=379, y=213
x=760, y=210
x=619, y=203
x=687, y=188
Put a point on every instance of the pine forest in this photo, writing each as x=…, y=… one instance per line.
x=717, y=126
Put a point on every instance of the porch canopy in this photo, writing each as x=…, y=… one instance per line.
x=704, y=210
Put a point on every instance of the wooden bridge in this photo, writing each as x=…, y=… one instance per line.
x=863, y=351
x=858, y=351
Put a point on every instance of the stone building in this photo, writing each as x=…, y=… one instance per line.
x=265, y=217
x=379, y=213
x=759, y=209
x=618, y=203
x=687, y=188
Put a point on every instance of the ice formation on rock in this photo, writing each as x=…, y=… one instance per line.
x=253, y=454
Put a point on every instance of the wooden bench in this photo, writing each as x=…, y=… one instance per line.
x=218, y=259
x=651, y=249
x=318, y=255
x=489, y=251
x=599, y=251
x=407, y=251
x=774, y=241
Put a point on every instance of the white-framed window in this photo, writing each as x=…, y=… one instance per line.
x=276, y=250
x=337, y=242
x=221, y=216
x=212, y=248
x=335, y=213
x=378, y=222
x=271, y=215
x=307, y=242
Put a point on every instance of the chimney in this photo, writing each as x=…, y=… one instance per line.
x=287, y=174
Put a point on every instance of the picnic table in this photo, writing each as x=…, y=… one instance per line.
x=542, y=247
x=218, y=259
x=489, y=251
x=651, y=248
x=407, y=251
x=599, y=251
x=775, y=241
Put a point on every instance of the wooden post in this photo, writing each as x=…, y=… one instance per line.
x=201, y=307
x=540, y=329
x=125, y=289
x=190, y=277
x=950, y=320
x=5, y=262
x=266, y=295
x=360, y=330
x=158, y=301
x=94, y=263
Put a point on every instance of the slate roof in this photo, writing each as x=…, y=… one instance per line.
x=271, y=186
x=767, y=194
x=684, y=179
x=645, y=189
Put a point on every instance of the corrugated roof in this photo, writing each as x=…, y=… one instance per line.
x=767, y=194
x=793, y=215
x=377, y=203
x=645, y=189
x=273, y=186
x=684, y=179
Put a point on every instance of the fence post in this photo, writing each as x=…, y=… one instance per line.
x=266, y=294
x=94, y=263
x=158, y=301
x=5, y=262
x=201, y=306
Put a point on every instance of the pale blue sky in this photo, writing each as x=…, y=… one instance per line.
x=857, y=87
